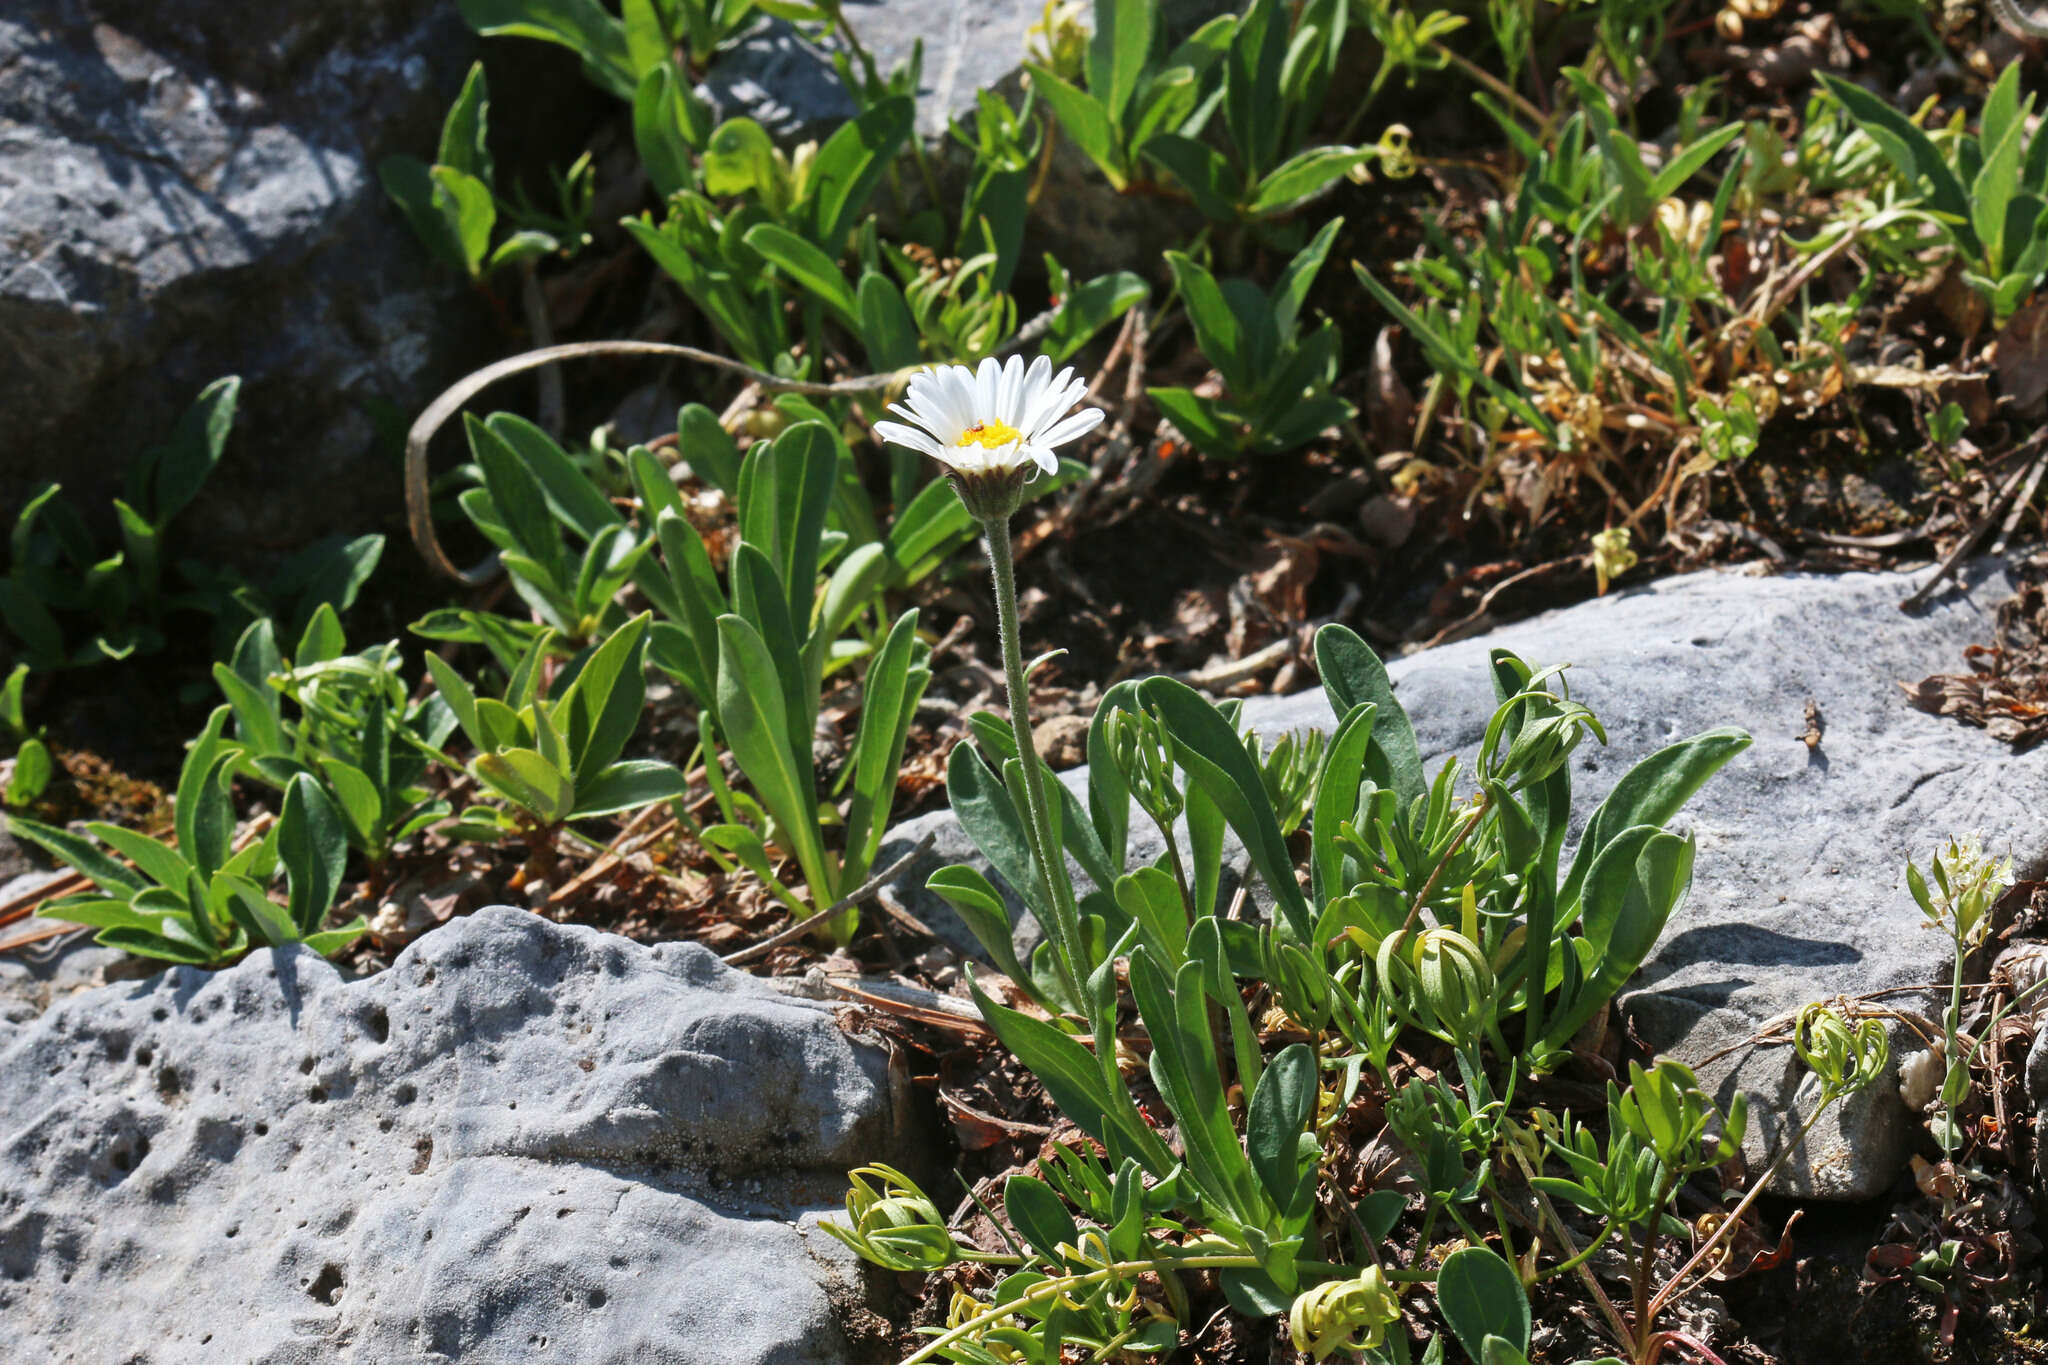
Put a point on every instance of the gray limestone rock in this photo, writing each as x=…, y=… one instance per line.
x=188, y=190
x=1798, y=893
x=521, y=1142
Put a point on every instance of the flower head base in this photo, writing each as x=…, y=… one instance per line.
x=1343, y=1315
x=993, y=428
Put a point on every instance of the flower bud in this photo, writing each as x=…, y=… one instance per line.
x=1343, y=1315
x=896, y=1226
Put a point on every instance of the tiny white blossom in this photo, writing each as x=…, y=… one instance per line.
x=997, y=419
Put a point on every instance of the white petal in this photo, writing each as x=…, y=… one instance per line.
x=1079, y=425
x=901, y=435
x=960, y=397
x=1010, y=397
x=1047, y=462
x=1033, y=393
x=988, y=382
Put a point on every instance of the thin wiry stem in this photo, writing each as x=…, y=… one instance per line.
x=1058, y=892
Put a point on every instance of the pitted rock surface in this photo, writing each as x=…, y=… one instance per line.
x=1798, y=891
x=522, y=1142
x=187, y=190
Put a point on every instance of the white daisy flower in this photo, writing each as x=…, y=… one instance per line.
x=1000, y=419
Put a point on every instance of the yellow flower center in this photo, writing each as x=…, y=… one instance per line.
x=989, y=435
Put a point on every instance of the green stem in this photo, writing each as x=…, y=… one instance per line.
x=1052, y=866
x=1734, y=1219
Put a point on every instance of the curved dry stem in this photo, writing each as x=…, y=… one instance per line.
x=418, y=514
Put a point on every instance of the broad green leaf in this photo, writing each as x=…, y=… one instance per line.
x=1276, y=1123
x=809, y=267
x=463, y=142
x=981, y=908
x=204, y=817
x=1302, y=177
x=1119, y=51
x=1651, y=793
x=1205, y=173
x=601, y=709
x=1090, y=308
x=1480, y=1296
x=1353, y=675
x=629, y=785
x=180, y=467
x=312, y=842
x=107, y=874
x=1039, y=1217
x=519, y=499
x=155, y=859
x=528, y=780
x=1086, y=123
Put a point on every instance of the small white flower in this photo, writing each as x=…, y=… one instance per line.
x=997, y=419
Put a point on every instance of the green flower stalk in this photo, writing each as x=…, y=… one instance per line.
x=1957, y=895
x=995, y=429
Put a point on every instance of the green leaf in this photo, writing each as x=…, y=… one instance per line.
x=1039, y=1217
x=1302, y=177
x=1353, y=676
x=571, y=495
x=1336, y=799
x=360, y=800
x=1688, y=162
x=1119, y=51
x=1086, y=123
x=887, y=330
x=1208, y=747
x=204, y=817
x=582, y=26
x=888, y=704
x=107, y=874
x=628, y=786
x=1276, y=1123
x=463, y=142
x=520, y=500
x=753, y=719
x=1908, y=148
x=328, y=942
x=1090, y=308
x=602, y=707
x=1651, y=793
x=1218, y=329
x=528, y=780
x=1077, y=1085
x=181, y=466
x=155, y=859
x=1205, y=173
x=1152, y=899
x=1480, y=1296
x=847, y=168
x=647, y=41
x=312, y=842
x=808, y=267
x=472, y=212
x=1184, y=1067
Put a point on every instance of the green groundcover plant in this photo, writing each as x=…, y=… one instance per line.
x=1435, y=905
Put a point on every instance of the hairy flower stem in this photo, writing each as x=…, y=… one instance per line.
x=1052, y=866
